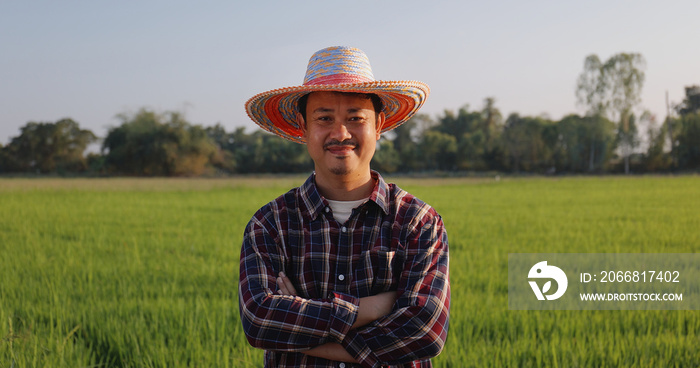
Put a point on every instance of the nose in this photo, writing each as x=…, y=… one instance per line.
x=340, y=132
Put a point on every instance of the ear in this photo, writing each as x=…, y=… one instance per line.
x=301, y=123
x=380, y=123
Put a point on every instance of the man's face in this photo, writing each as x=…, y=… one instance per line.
x=341, y=132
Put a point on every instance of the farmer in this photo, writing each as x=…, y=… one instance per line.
x=345, y=270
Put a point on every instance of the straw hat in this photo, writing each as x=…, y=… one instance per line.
x=341, y=69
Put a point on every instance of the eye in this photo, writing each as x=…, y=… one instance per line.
x=357, y=119
x=324, y=119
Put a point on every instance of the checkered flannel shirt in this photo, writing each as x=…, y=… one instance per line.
x=393, y=242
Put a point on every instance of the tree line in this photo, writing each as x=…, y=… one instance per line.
x=611, y=137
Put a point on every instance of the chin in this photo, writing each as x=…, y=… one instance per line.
x=339, y=171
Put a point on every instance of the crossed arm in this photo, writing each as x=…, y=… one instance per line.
x=370, y=309
x=410, y=324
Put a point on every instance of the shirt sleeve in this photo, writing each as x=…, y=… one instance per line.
x=284, y=322
x=417, y=328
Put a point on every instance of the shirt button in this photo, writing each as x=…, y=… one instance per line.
x=344, y=229
x=328, y=210
x=341, y=277
x=341, y=365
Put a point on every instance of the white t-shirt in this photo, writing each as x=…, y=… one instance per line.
x=343, y=209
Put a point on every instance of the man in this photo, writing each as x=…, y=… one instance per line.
x=345, y=270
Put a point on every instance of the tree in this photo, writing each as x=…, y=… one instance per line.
x=590, y=92
x=624, y=78
x=386, y=158
x=574, y=138
x=223, y=159
x=476, y=134
x=656, y=158
x=467, y=129
x=405, y=142
x=258, y=152
x=7, y=163
x=524, y=145
x=491, y=123
x=627, y=139
x=458, y=124
x=439, y=150
x=613, y=89
x=492, y=128
x=691, y=103
x=49, y=148
x=276, y=155
x=471, y=150
x=154, y=144
x=590, y=88
x=689, y=141
x=684, y=130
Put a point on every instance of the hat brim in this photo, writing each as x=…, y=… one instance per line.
x=275, y=110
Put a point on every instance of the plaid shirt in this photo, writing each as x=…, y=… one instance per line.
x=393, y=242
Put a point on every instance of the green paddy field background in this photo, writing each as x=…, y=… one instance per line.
x=143, y=272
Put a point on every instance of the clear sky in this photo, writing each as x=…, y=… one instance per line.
x=91, y=60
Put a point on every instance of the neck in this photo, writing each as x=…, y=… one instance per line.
x=345, y=187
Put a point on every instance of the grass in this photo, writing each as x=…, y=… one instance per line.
x=143, y=272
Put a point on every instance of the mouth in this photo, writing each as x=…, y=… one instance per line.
x=340, y=149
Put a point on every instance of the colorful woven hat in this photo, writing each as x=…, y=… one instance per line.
x=341, y=69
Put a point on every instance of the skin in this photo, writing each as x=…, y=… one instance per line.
x=341, y=134
x=371, y=308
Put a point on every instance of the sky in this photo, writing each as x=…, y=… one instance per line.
x=94, y=60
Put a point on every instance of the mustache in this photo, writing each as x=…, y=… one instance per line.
x=335, y=142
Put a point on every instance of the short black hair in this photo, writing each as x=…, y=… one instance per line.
x=376, y=102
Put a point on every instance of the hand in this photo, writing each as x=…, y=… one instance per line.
x=285, y=286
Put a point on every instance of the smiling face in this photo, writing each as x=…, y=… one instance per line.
x=341, y=132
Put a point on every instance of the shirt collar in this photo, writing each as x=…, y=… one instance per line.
x=315, y=203
x=380, y=194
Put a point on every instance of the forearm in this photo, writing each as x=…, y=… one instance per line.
x=369, y=309
x=374, y=307
x=268, y=316
x=284, y=322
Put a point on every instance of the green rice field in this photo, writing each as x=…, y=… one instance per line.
x=143, y=272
